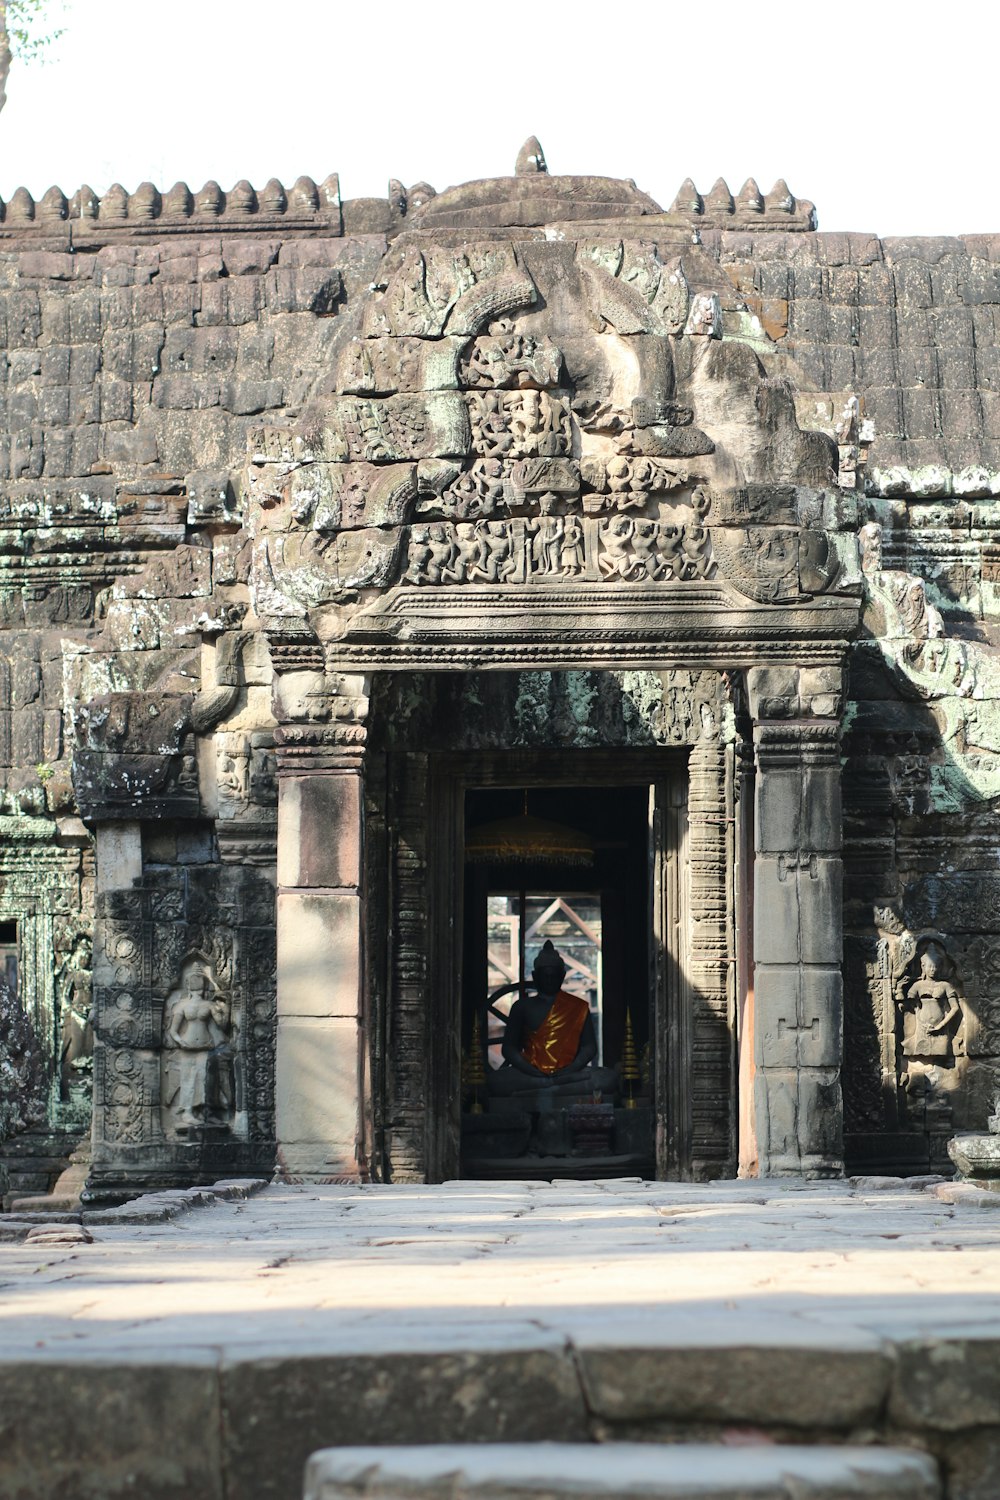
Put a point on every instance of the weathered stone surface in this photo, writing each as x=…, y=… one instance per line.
x=946, y=1388
x=813, y=1386
x=319, y=831
x=318, y=967
x=131, y=1403
x=485, y=1395
x=679, y=1472
x=316, y=1097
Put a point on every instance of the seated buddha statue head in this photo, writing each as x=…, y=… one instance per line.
x=548, y=971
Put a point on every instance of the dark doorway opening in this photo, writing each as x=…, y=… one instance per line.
x=569, y=865
x=9, y=956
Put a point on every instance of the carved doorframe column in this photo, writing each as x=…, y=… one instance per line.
x=321, y=1081
x=798, y=922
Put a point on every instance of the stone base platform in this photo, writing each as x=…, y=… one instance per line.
x=621, y=1471
x=206, y=1355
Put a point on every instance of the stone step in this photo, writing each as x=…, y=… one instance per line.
x=620, y=1471
x=64, y=1197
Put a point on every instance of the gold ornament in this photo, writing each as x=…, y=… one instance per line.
x=475, y=1072
x=631, y=1073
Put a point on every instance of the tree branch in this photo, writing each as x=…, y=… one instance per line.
x=4, y=53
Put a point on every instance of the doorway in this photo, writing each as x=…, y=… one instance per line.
x=444, y=931
x=567, y=866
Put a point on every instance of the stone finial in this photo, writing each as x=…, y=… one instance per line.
x=53, y=205
x=119, y=208
x=530, y=158
x=21, y=206
x=688, y=200
x=329, y=191
x=303, y=199
x=272, y=197
x=178, y=203
x=84, y=203
x=750, y=199
x=720, y=199
x=241, y=198
x=114, y=204
x=419, y=194
x=209, y=200
x=779, y=199
x=145, y=203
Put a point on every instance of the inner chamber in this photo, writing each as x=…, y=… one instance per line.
x=566, y=865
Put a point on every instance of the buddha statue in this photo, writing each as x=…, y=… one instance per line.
x=549, y=1043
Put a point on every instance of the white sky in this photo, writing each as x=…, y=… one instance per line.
x=883, y=114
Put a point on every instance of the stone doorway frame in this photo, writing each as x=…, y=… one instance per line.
x=415, y=1133
x=782, y=816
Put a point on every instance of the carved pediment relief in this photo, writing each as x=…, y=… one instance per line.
x=540, y=416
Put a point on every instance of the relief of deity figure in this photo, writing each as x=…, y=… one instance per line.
x=546, y=534
x=646, y=558
x=539, y=424
x=626, y=482
x=465, y=554
x=930, y=1014
x=496, y=560
x=571, y=555
x=489, y=425
x=418, y=555
x=511, y=358
x=197, y=1084
x=616, y=553
x=697, y=558
x=442, y=549
x=76, y=1040
x=671, y=543
x=476, y=492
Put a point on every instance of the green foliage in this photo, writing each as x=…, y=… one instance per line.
x=28, y=28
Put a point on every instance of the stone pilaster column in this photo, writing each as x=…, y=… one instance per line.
x=798, y=922
x=320, y=1061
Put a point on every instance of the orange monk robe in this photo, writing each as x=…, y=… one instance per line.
x=553, y=1045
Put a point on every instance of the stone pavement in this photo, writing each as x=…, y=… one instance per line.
x=210, y=1354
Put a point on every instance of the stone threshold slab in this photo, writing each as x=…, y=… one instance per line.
x=621, y=1471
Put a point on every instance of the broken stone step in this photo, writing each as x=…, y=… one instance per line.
x=620, y=1471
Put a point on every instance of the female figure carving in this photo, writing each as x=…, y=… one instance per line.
x=197, y=1054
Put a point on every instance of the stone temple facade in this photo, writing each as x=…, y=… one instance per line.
x=336, y=534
